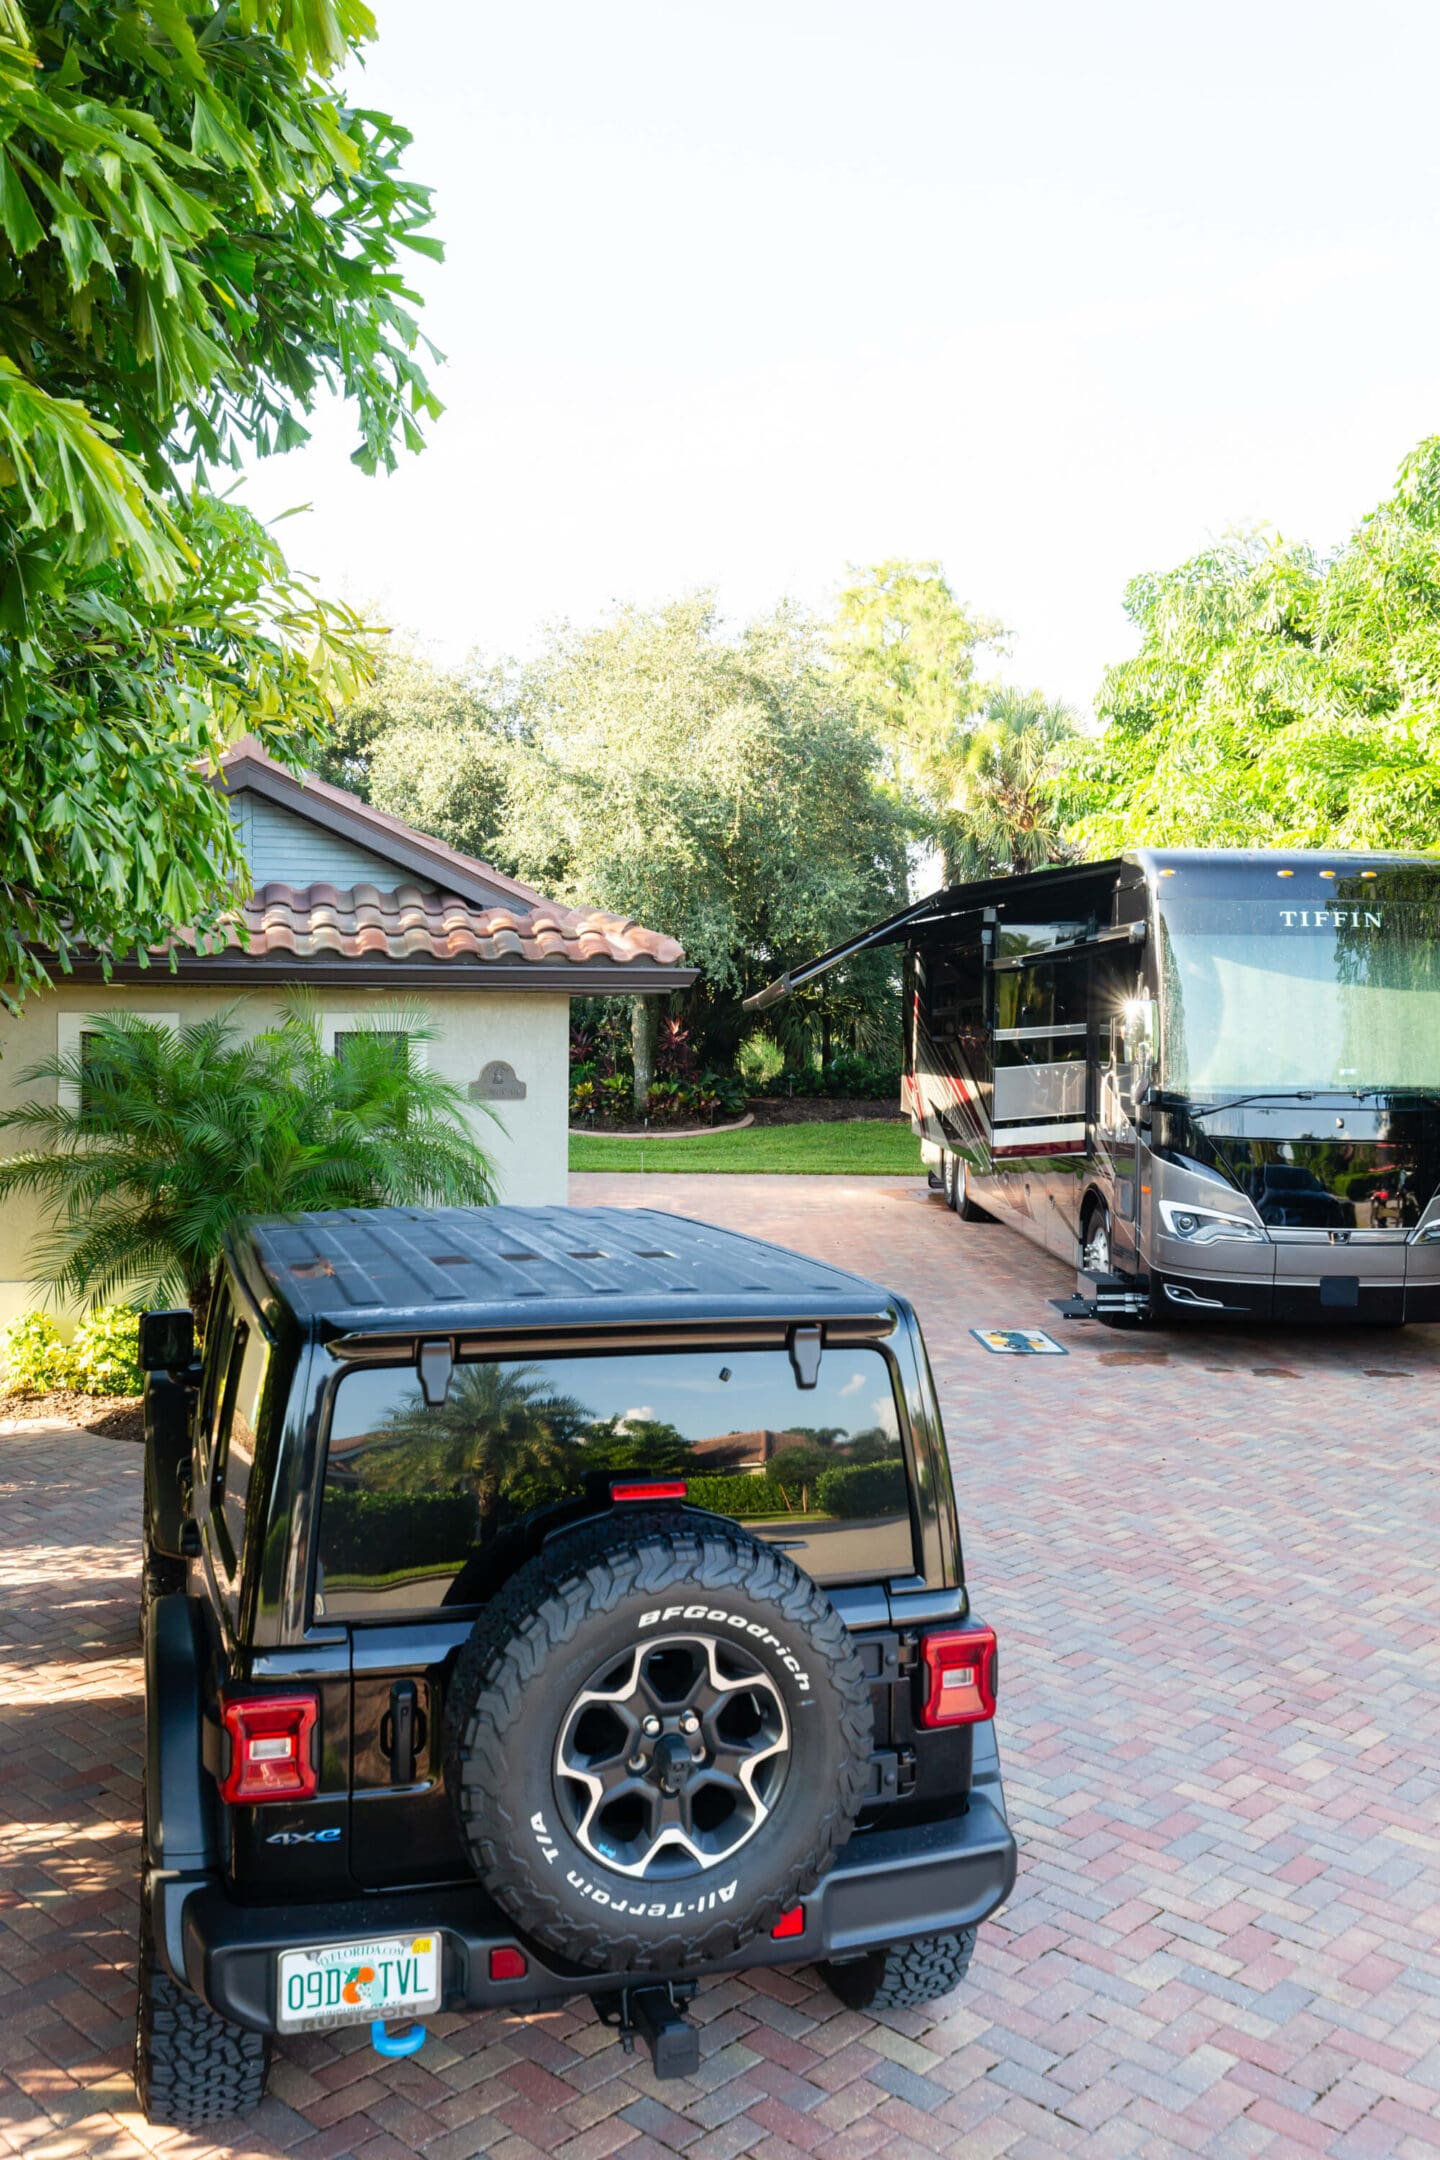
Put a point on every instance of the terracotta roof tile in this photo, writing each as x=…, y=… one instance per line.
x=315, y=922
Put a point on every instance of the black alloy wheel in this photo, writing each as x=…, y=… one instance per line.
x=671, y=1755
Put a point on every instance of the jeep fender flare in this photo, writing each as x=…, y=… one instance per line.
x=182, y=1848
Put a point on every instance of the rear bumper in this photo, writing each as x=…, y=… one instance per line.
x=888, y=1885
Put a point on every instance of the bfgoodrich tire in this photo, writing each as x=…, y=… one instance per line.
x=904, y=1974
x=191, y=2065
x=657, y=1739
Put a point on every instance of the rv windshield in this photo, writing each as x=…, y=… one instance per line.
x=1313, y=985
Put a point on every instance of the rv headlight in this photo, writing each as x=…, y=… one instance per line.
x=1202, y=1226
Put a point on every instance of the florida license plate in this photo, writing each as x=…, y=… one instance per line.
x=347, y=1983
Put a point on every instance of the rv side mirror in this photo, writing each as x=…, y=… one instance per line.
x=1135, y=1103
x=167, y=1341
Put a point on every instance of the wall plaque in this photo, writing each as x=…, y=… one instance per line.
x=497, y=1083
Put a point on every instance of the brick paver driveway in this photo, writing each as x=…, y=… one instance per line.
x=1213, y=1562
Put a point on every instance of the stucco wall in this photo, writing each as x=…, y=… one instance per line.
x=525, y=1140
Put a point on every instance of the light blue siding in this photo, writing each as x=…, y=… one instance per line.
x=283, y=847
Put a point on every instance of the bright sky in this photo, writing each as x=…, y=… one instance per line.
x=739, y=293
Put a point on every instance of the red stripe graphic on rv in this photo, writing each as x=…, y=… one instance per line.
x=1032, y=1148
x=944, y=1089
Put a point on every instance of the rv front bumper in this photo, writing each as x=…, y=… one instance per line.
x=1337, y=1299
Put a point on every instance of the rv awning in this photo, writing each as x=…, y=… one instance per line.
x=893, y=931
x=937, y=907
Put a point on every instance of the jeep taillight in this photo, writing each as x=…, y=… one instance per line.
x=272, y=1748
x=958, y=1674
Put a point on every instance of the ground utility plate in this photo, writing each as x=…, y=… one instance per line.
x=1018, y=1342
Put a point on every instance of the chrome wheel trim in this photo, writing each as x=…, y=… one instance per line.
x=753, y=1769
x=1095, y=1257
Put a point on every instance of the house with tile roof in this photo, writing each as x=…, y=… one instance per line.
x=367, y=913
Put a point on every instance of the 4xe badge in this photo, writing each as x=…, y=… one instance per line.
x=303, y=1837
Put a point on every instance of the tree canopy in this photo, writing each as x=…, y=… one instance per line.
x=430, y=745
x=201, y=238
x=908, y=651
x=1279, y=698
x=971, y=762
x=720, y=787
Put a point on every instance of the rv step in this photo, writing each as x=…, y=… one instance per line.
x=1111, y=1294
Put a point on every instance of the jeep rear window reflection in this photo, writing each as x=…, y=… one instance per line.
x=422, y=1507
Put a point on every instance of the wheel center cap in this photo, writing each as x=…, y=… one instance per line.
x=673, y=1763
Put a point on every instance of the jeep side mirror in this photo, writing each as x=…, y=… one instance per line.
x=167, y=1341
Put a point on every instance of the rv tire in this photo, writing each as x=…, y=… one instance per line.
x=957, y=1191
x=1097, y=1257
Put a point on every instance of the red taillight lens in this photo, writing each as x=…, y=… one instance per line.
x=272, y=1748
x=959, y=1676
x=657, y=1489
x=789, y=1923
x=508, y=1964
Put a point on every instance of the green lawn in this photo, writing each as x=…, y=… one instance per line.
x=861, y=1147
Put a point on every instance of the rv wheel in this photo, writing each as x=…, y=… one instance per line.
x=957, y=1191
x=1097, y=1257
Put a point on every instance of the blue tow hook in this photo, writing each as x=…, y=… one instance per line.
x=400, y=2043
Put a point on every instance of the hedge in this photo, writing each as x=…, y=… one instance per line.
x=365, y=1532
x=851, y=1489
x=743, y=1496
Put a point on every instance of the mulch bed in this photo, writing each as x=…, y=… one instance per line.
x=817, y=1110
x=763, y=1110
x=112, y=1417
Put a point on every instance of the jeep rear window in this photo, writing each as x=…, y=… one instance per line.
x=417, y=1502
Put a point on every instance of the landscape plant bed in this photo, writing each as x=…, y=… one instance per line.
x=112, y=1417
x=854, y=1148
x=632, y=1131
x=820, y=1109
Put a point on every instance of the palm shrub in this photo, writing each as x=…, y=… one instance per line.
x=164, y=1138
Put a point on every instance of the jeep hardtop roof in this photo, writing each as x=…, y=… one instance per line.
x=361, y=1271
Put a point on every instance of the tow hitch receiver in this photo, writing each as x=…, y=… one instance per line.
x=657, y=2014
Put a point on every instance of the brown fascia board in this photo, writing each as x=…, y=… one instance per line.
x=236, y=970
x=381, y=835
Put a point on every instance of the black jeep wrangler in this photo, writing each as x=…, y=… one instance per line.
x=543, y=1602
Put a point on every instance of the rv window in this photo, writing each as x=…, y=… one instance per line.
x=1017, y=939
x=951, y=993
x=1041, y=997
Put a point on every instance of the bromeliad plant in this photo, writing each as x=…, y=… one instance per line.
x=163, y=1138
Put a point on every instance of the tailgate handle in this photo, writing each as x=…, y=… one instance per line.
x=400, y=1731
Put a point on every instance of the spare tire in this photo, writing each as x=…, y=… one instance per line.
x=657, y=1739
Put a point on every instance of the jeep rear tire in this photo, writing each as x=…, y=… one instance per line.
x=192, y=2066
x=904, y=1974
x=657, y=1740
